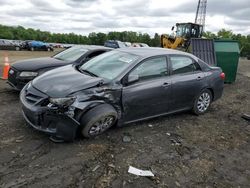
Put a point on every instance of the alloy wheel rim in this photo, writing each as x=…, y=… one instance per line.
x=203, y=102
x=101, y=125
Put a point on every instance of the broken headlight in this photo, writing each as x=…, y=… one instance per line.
x=63, y=102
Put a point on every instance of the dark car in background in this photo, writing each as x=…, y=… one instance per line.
x=37, y=46
x=9, y=45
x=119, y=87
x=21, y=72
x=114, y=44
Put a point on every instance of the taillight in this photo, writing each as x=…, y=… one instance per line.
x=222, y=76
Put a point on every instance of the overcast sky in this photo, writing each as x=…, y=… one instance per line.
x=150, y=16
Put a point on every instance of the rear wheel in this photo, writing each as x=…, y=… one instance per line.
x=98, y=120
x=202, y=102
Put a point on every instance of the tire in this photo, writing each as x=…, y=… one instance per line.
x=17, y=48
x=93, y=121
x=48, y=49
x=202, y=102
x=32, y=49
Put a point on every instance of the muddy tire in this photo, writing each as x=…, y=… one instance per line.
x=98, y=120
x=202, y=102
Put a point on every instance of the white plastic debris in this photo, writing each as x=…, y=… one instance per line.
x=97, y=166
x=150, y=125
x=139, y=172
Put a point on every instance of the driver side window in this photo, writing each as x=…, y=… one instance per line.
x=152, y=68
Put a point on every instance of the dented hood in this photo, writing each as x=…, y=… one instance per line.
x=61, y=82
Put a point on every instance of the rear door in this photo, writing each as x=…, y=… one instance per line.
x=187, y=81
x=149, y=96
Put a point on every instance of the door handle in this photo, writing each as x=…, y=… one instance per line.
x=199, y=78
x=166, y=84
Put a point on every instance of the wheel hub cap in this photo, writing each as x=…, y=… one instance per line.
x=203, y=102
x=101, y=125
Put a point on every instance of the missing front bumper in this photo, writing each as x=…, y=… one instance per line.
x=59, y=125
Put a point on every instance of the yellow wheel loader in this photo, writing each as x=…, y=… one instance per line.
x=181, y=38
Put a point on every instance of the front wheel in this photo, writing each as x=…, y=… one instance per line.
x=202, y=102
x=98, y=120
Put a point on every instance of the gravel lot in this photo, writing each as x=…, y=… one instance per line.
x=182, y=150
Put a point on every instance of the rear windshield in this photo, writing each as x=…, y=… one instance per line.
x=71, y=54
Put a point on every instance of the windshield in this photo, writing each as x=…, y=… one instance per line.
x=183, y=30
x=110, y=64
x=71, y=54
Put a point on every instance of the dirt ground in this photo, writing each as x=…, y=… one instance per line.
x=20, y=55
x=182, y=150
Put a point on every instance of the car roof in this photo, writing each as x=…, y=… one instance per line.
x=93, y=47
x=153, y=51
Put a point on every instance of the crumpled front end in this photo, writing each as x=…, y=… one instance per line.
x=43, y=117
x=43, y=114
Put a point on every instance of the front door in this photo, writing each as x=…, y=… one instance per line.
x=149, y=96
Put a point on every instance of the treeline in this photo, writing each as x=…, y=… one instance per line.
x=21, y=33
x=244, y=40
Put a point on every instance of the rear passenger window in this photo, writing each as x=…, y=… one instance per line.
x=182, y=64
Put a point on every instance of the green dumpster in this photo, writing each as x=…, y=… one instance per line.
x=227, y=55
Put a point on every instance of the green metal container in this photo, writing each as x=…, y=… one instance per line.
x=227, y=55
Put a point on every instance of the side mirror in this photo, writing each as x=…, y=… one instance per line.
x=133, y=78
x=172, y=28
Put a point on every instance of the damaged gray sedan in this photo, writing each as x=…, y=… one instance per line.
x=117, y=88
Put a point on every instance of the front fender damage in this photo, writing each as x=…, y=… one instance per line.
x=68, y=122
x=93, y=97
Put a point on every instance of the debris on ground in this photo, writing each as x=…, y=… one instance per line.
x=246, y=117
x=175, y=142
x=126, y=139
x=56, y=139
x=19, y=141
x=111, y=165
x=139, y=172
x=96, y=167
x=175, y=139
